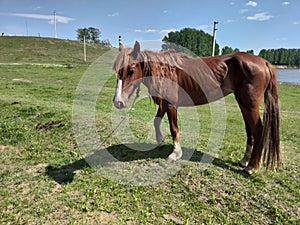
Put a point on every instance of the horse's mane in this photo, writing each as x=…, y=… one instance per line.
x=166, y=58
x=123, y=59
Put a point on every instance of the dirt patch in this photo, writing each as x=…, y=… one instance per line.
x=22, y=80
x=172, y=219
x=9, y=149
x=3, y=147
x=36, y=168
x=65, y=213
x=49, y=125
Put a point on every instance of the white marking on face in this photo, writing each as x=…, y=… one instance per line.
x=119, y=91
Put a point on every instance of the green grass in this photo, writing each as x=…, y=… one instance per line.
x=18, y=49
x=45, y=180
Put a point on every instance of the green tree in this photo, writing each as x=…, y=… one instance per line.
x=94, y=34
x=276, y=56
x=91, y=34
x=229, y=50
x=281, y=56
x=81, y=32
x=297, y=58
x=263, y=53
x=197, y=41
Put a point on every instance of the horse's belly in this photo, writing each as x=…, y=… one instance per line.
x=199, y=97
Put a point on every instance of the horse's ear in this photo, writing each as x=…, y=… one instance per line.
x=120, y=46
x=136, y=49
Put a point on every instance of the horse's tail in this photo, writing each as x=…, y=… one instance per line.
x=270, y=138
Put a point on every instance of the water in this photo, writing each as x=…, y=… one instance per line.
x=289, y=75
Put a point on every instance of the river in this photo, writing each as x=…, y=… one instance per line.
x=289, y=75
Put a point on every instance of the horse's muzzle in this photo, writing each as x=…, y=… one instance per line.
x=119, y=104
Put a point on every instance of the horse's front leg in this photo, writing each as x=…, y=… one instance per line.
x=157, y=121
x=172, y=117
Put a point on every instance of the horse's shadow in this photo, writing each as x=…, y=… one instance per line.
x=127, y=153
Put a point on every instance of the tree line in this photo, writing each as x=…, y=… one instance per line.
x=229, y=50
x=282, y=56
x=197, y=41
x=200, y=43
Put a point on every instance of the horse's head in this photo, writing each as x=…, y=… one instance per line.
x=129, y=74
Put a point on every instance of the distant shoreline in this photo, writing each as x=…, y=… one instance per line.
x=286, y=67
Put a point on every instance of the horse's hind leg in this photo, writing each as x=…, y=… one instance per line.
x=255, y=159
x=255, y=124
x=249, y=145
x=250, y=110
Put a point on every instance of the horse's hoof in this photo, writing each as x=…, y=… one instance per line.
x=243, y=163
x=170, y=160
x=250, y=170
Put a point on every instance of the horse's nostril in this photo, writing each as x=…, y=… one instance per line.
x=121, y=104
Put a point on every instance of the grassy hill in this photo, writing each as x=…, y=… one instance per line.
x=18, y=49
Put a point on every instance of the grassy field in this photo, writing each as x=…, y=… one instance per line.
x=44, y=178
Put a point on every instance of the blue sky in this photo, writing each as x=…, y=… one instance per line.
x=242, y=24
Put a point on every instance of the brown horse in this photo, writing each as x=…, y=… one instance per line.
x=176, y=79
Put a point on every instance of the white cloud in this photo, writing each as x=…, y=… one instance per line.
x=145, y=31
x=285, y=3
x=251, y=3
x=296, y=22
x=260, y=16
x=165, y=31
x=113, y=14
x=165, y=11
x=150, y=31
x=242, y=11
x=60, y=19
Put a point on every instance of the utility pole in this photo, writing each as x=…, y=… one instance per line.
x=84, y=49
x=54, y=21
x=214, y=38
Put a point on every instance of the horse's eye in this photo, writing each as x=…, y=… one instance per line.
x=130, y=72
